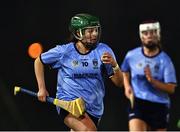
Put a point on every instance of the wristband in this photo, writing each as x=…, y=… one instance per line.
x=115, y=68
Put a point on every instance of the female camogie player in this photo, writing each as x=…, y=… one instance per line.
x=149, y=76
x=82, y=65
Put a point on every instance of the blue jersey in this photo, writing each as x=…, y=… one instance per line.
x=161, y=67
x=80, y=75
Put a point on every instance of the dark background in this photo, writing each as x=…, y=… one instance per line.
x=24, y=22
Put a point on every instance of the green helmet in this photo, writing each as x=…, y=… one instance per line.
x=82, y=21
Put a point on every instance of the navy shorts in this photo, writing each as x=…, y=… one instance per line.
x=156, y=115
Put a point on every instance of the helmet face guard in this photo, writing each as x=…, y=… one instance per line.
x=80, y=22
x=150, y=26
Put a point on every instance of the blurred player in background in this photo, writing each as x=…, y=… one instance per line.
x=149, y=76
x=82, y=65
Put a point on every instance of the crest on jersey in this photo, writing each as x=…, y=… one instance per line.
x=139, y=65
x=156, y=68
x=75, y=63
x=95, y=63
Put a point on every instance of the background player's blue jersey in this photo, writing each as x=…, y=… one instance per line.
x=161, y=67
x=80, y=75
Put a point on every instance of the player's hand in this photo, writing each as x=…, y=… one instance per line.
x=107, y=58
x=147, y=72
x=42, y=94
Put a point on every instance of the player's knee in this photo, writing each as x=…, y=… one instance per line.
x=79, y=125
x=89, y=129
x=137, y=125
x=92, y=128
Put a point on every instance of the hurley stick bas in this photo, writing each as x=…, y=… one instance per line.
x=75, y=107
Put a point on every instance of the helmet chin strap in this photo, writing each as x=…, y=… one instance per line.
x=86, y=44
x=89, y=45
x=151, y=46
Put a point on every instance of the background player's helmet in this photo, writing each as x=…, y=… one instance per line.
x=79, y=22
x=150, y=25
